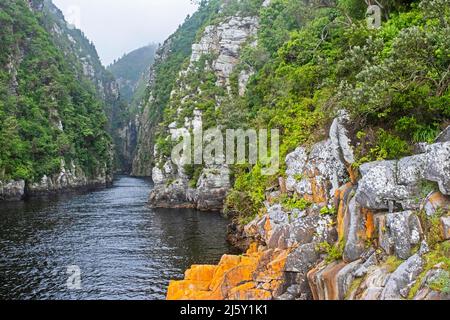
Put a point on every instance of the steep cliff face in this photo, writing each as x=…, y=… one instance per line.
x=54, y=104
x=83, y=58
x=209, y=79
x=162, y=76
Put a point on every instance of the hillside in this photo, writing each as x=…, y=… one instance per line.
x=129, y=71
x=54, y=131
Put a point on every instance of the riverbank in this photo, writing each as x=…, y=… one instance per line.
x=68, y=180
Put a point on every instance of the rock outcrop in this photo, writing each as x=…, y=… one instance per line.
x=379, y=237
x=68, y=179
x=12, y=190
x=217, y=52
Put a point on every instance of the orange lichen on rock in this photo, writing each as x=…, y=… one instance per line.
x=341, y=202
x=255, y=275
x=370, y=223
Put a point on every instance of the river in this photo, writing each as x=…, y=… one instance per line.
x=106, y=244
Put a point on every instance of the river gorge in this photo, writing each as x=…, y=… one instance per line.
x=124, y=249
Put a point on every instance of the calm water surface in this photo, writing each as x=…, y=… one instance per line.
x=123, y=249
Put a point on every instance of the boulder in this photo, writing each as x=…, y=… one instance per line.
x=437, y=167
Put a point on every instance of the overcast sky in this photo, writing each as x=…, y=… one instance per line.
x=120, y=26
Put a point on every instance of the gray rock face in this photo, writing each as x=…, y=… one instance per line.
x=319, y=173
x=12, y=190
x=386, y=183
x=225, y=41
x=399, y=283
x=437, y=166
x=354, y=243
x=399, y=232
x=69, y=177
x=222, y=41
x=444, y=136
x=212, y=188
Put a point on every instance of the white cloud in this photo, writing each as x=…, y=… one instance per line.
x=120, y=26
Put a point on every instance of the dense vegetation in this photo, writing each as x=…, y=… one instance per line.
x=129, y=69
x=314, y=59
x=48, y=112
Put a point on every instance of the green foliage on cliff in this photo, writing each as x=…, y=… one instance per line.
x=39, y=92
x=129, y=71
x=312, y=60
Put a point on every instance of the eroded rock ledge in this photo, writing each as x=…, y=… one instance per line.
x=383, y=236
x=68, y=179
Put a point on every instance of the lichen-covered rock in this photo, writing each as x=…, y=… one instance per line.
x=425, y=292
x=399, y=283
x=399, y=232
x=437, y=167
x=386, y=185
x=445, y=227
x=12, y=190
x=257, y=275
x=317, y=175
x=378, y=186
x=358, y=228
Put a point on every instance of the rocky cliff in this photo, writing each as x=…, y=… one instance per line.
x=82, y=55
x=61, y=104
x=380, y=232
x=208, y=80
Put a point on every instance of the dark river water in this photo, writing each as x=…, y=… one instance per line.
x=121, y=248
